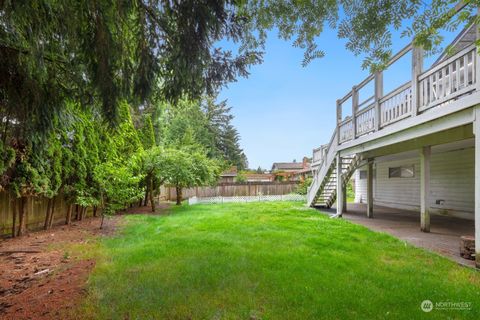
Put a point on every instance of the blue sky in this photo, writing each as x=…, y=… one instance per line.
x=283, y=110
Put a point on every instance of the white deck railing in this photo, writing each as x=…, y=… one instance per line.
x=446, y=81
x=449, y=80
x=396, y=105
x=318, y=155
x=345, y=130
x=329, y=153
x=365, y=120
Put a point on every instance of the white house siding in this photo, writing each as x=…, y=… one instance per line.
x=360, y=186
x=451, y=184
x=402, y=193
x=452, y=180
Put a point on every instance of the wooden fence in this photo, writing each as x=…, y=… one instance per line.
x=232, y=190
x=36, y=207
x=244, y=199
x=34, y=214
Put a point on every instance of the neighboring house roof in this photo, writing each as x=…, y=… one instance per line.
x=232, y=172
x=258, y=176
x=287, y=166
x=228, y=174
x=461, y=41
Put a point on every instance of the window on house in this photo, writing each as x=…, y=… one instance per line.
x=363, y=174
x=401, y=172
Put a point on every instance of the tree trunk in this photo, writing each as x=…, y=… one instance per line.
x=179, y=195
x=145, y=200
x=152, y=200
x=95, y=211
x=80, y=213
x=103, y=218
x=14, y=224
x=47, y=214
x=22, y=216
x=50, y=221
x=68, y=220
x=77, y=214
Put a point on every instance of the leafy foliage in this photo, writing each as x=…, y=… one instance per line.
x=302, y=188
x=109, y=51
x=367, y=26
x=203, y=124
x=240, y=177
x=186, y=168
x=119, y=186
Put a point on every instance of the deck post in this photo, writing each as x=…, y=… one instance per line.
x=354, y=111
x=339, y=119
x=344, y=198
x=425, y=155
x=476, y=132
x=370, y=189
x=476, y=59
x=339, y=186
x=417, y=68
x=378, y=96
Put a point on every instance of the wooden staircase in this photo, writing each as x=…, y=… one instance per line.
x=323, y=190
x=326, y=194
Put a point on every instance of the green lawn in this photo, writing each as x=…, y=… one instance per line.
x=268, y=261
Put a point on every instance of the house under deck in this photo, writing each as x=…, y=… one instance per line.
x=415, y=148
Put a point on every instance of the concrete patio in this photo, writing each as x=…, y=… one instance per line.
x=444, y=236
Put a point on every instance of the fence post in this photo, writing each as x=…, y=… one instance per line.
x=378, y=96
x=417, y=67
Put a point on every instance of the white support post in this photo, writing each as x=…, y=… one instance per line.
x=339, y=119
x=339, y=187
x=417, y=68
x=476, y=59
x=476, y=132
x=378, y=96
x=425, y=155
x=354, y=111
x=370, y=189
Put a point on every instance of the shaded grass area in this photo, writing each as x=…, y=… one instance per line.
x=268, y=261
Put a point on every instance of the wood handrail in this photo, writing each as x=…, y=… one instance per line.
x=399, y=54
x=396, y=91
x=366, y=101
x=345, y=121
x=365, y=110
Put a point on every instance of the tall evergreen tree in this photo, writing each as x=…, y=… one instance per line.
x=226, y=139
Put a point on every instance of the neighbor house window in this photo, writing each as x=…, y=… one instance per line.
x=363, y=174
x=401, y=172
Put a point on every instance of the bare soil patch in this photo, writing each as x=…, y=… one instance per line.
x=38, y=279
